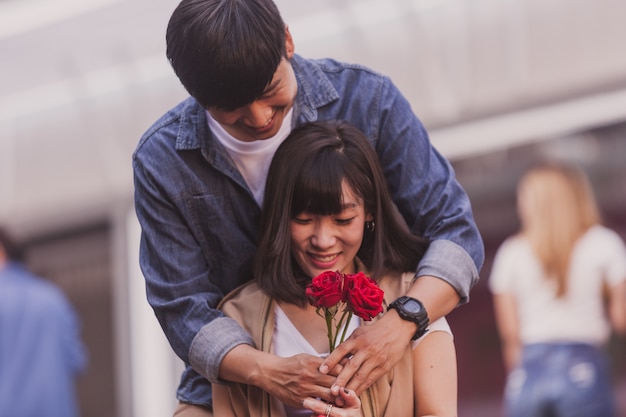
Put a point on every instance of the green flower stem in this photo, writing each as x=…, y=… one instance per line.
x=332, y=336
x=339, y=324
x=329, y=327
x=345, y=329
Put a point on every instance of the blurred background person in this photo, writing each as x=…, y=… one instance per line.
x=40, y=348
x=559, y=285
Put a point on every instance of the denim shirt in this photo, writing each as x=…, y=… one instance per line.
x=200, y=221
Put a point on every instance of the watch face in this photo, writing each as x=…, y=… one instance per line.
x=412, y=306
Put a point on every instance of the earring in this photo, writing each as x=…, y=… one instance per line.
x=369, y=226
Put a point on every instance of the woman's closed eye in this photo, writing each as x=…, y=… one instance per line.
x=341, y=221
x=344, y=221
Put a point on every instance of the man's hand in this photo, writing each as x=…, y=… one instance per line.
x=378, y=347
x=291, y=380
x=375, y=349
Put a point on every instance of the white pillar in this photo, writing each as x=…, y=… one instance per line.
x=155, y=369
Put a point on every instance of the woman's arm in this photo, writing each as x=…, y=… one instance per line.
x=617, y=307
x=435, y=376
x=508, y=327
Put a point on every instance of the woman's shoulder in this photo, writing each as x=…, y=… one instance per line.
x=600, y=242
x=244, y=300
x=599, y=232
x=515, y=247
x=395, y=284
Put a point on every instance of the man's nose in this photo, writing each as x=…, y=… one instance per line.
x=258, y=114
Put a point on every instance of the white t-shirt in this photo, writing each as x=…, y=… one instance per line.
x=252, y=158
x=599, y=256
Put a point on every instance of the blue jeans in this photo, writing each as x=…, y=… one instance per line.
x=560, y=380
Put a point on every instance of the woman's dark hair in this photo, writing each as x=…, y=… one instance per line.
x=10, y=246
x=307, y=174
x=225, y=52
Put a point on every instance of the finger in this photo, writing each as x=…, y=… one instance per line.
x=336, y=370
x=350, y=398
x=317, y=390
x=363, y=377
x=348, y=373
x=340, y=353
x=316, y=406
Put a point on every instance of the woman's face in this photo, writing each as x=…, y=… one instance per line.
x=329, y=243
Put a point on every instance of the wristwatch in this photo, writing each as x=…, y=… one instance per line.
x=413, y=310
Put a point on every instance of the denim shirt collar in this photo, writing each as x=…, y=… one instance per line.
x=314, y=90
x=194, y=133
x=192, y=129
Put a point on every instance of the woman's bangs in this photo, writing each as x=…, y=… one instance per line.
x=319, y=190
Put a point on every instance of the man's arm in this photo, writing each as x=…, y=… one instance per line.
x=291, y=380
x=377, y=347
x=174, y=268
x=424, y=188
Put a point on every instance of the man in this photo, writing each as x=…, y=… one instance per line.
x=40, y=349
x=199, y=179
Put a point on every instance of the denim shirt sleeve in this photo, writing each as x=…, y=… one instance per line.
x=207, y=351
x=174, y=263
x=424, y=187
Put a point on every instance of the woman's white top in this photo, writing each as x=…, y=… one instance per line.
x=579, y=316
x=288, y=341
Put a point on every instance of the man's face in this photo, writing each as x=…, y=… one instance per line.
x=262, y=118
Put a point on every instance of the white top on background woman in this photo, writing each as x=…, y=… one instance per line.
x=559, y=288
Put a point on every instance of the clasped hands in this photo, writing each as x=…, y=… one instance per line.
x=372, y=351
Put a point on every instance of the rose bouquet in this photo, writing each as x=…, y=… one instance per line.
x=332, y=292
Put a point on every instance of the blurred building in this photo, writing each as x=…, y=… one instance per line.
x=498, y=84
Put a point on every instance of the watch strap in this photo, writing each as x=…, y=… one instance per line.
x=420, y=319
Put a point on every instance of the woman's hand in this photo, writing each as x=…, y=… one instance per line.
x=351, y=405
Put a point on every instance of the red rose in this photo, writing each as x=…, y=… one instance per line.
x=325, y=290
x=363, y=296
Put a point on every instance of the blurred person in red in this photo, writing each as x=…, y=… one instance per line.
x=559, y=290
x=40, y=348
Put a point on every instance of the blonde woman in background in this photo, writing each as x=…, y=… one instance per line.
x=559, y=288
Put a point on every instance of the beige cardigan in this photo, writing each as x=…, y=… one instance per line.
x=390, y=396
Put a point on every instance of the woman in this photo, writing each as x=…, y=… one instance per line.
x=550, y=283
x=327, y=208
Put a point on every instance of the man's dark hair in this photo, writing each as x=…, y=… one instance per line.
x=225, y=52
x=10, y=246
x=306, y=175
